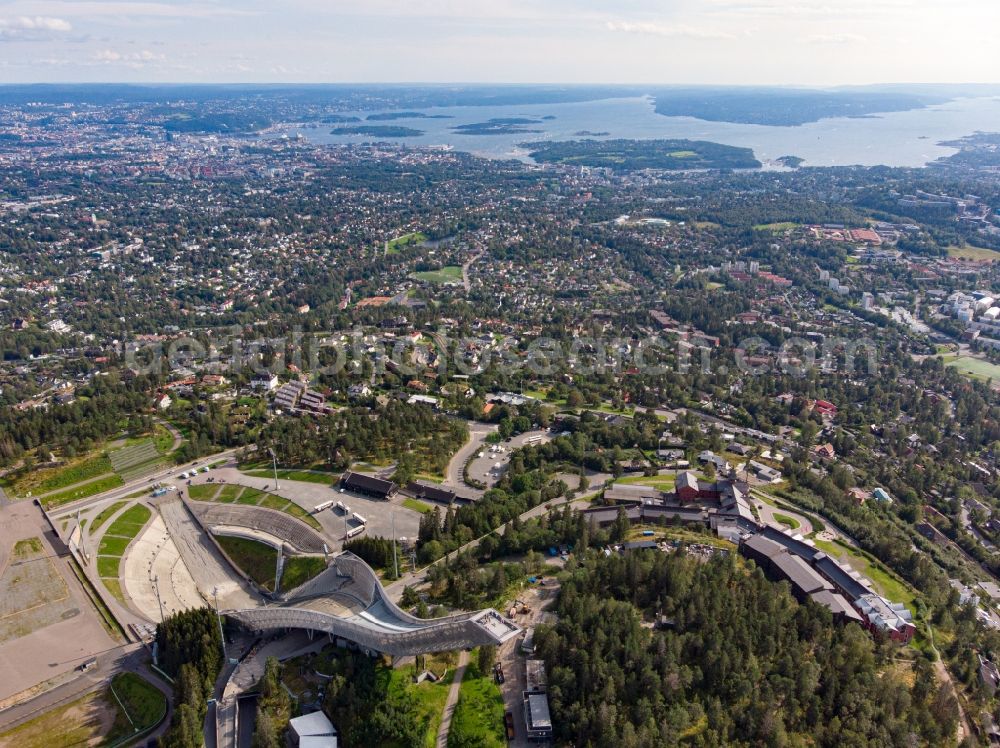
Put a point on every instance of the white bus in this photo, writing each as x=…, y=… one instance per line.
x=321, y=507
x=528, y=642
x=533, y=439
x=342, y=508
x=355, y=531
x=360, y=519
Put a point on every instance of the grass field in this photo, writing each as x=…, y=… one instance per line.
x=326, y=479
x=114, y=543
x=447, y=274
x=88, y=489
x=113, y=546
x=786, y=520
x=886, y=582
x=974, y=253
x=76, y=472
x=299, y=570
x=974, y=367
x=82, y=722
x=105, y=515
x=95, y=719
x=776, y=227
x=256, y=560
x=417, y=506
x=414, y=237
x=430, y=698
x=478, y=717
x=662, y=482
x=203, y=491
x=28, y=547
x=107, y=567
x=230, y=493
x=140, y=705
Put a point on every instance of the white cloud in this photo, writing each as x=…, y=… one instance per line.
x=670, y=30
x=126, y=9
x=32, y=28
x=109, y=56
x=844, y=38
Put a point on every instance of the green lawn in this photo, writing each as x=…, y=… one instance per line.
x=662, y=482
x=306, y=476
x=478, y=717
x=414, y=237
x=105, y=515
x=974, y=367
x=430, y=698
x=776, y=227
x=112, y=545
x=886, y=581
x=27, y=547
x=300, y=569
x=107, y=566
x=163, y=439
x=417, y=506
x=115, y=541
x=249, y=496
x=974, y=253
x=231, y=492
x=130, y=522
x=228, y=493
x=203, y=491
x=75, y=473
x=786, y=520
x=89, y=489
x=257, y=560
x=140, y=705
x=76, y=723
x=447, y=274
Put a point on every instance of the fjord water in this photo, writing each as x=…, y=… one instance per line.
x=892, y=139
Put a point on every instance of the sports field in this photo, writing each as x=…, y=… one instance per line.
x=447, y=274
x=974, y=367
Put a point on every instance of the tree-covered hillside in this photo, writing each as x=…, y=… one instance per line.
x=739, y=663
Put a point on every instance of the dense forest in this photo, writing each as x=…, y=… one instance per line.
x=737, y=663
x=190, y=652
x=420, y=438
x=630, y=155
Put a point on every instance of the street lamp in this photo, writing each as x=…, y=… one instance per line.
x=274, y=462
x=222, y=635
x=159, y=600
x=395, y=566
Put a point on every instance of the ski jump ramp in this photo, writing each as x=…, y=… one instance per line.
x=347, y=601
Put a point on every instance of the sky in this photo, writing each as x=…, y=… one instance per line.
x=773, y=42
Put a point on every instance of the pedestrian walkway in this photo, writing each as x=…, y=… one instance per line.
x=449, y=707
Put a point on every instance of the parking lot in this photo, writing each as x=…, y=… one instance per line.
x=490, y=463
x=334, y=523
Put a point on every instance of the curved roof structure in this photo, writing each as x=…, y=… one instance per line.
x=347, y=600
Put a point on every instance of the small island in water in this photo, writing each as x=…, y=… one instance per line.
x=632, y=155
x=499, y=126
x=792, y=162
x=388, y=116
x=380, y=131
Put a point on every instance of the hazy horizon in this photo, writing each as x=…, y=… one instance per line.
x=679, y=42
